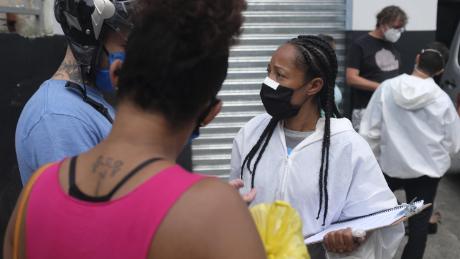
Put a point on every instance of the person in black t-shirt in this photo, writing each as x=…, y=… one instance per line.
x=373, y=58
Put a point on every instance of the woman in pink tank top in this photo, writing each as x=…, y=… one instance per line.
x=126, y=197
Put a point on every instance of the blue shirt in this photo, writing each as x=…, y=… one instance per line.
x=56, y=123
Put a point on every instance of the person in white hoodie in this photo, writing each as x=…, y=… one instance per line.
x=413, y=127
x=321, y=166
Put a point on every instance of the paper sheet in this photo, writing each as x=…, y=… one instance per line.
x=380, y=220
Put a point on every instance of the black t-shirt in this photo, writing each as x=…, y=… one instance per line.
x=377, y=60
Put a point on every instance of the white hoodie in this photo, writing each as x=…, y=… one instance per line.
x=412, y=127
x=356, y=185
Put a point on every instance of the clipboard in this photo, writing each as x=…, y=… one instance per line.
x=377, y=220
x=404, y=218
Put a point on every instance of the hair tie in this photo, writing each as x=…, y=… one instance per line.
x=432, y=50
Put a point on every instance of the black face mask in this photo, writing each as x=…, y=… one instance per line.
x=277, y=100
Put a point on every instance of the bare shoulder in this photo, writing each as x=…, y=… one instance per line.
x=210, y=220
x=216, y=193
x=211, y=198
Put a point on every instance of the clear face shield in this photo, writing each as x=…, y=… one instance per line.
x=122, y=20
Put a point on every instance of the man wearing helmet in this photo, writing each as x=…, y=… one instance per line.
x=68, y=115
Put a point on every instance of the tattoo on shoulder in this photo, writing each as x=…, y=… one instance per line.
x=105, y=167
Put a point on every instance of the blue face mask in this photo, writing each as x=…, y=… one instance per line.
x=196, y=131
x=195, y=134
x=103, y=81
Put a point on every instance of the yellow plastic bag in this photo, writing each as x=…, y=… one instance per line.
x=280, y=229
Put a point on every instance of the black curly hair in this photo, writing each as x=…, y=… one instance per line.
x=317, y=58
x=177, y=55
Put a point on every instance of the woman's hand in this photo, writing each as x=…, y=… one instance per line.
x=342, y=241
x=238, y=184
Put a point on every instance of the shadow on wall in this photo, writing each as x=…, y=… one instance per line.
x=24, y=65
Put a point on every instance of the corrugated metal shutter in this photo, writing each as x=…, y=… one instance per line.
x=268, y=24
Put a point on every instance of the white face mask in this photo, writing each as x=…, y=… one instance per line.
x=392, y=35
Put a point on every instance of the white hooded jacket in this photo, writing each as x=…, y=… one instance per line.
x=356, y=185
x=412, y=127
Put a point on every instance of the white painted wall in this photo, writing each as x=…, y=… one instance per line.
x=361, y=14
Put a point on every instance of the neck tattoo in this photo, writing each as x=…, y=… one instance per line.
x=105, y=167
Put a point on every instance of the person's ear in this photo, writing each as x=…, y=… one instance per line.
x=216, y=108
x=316, y=84
x=114, y=71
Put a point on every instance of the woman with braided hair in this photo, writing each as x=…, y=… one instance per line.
x=318, y=164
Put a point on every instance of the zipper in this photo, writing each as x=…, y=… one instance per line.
x=283, y=187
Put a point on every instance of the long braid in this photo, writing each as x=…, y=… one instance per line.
x=311, y=56
x=263, y=141
x=313, y=70
x=330, y=109
x=266, y=134
x=267, y=140
x=328, y=101
x=323, y=64
x=321, y=180
x=254, y=150
x=321, y=61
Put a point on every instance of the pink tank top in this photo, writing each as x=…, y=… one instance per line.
x=60, y=226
